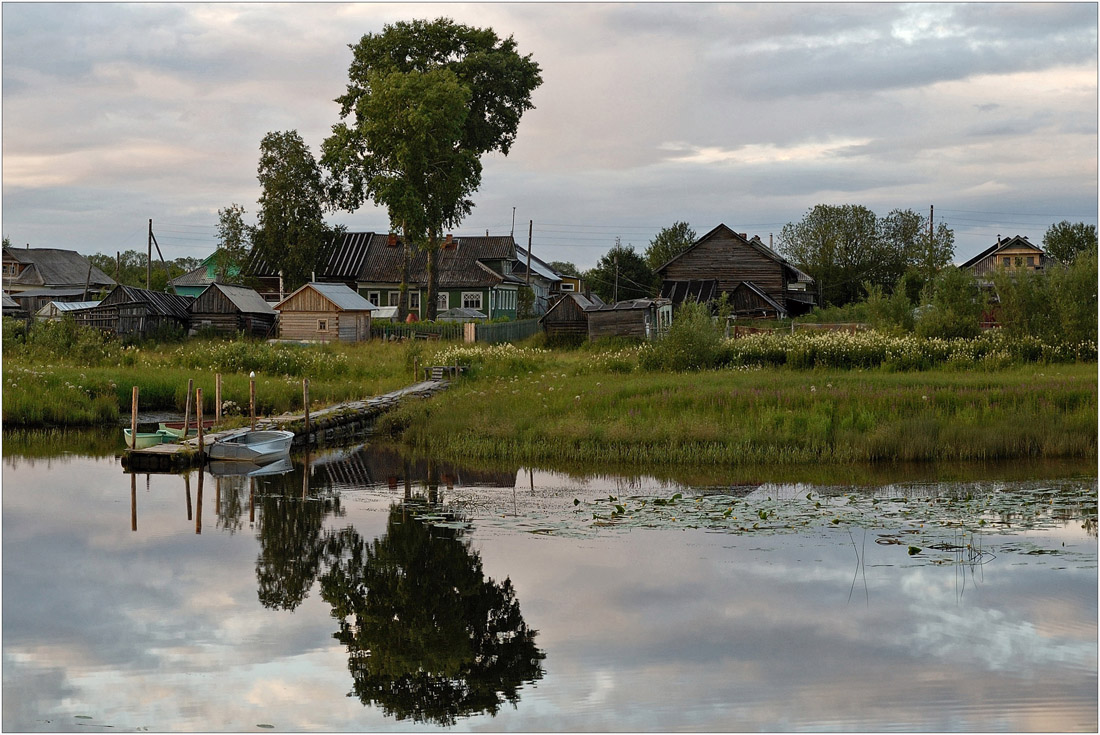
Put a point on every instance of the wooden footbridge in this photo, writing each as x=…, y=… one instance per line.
x=317, y=427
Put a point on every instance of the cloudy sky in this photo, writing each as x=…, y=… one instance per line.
x=649, y=113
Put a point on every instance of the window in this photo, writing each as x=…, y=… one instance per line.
x=1019, y=261
x=1031, y=260
x=471, y=300
x=566, y=287
x=11, y=269
x=395, y=298
x=375, y=297
x=1007, y=261
x=441, y=303
x=414, y=301
x=322, y=325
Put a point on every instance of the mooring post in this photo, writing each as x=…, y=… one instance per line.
x=198, y=505
x=198, y=419
x=133, y=418
x=305, y=404
x=252, y=398
x=187, y=407
x=217, y=397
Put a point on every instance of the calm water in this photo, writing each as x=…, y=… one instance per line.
x=319, y=599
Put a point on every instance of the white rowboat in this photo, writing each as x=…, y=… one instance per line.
x=252, y=446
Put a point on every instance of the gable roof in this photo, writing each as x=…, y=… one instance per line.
x=55, y=267
x=754, y=242
x=242, y=297
x=342, y=297
x=538, y=266
x=457, y=267
x=1013, y=242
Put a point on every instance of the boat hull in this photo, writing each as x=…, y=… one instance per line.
x=175, y=428
x=252, y=446
x=144, y=439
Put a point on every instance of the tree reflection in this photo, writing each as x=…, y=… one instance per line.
x=428, y=636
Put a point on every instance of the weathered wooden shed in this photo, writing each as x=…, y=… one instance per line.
x=136, y=312
x=640, y=318
x=325, y=312
x=228, y=309
x=56, y=310
x=568, y=316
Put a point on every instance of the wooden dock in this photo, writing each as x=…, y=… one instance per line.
x=326, y=424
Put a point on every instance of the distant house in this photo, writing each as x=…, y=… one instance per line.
x=12, y=308
x=55, y=310
x=27, y=269
x=640, y=318
x=129, y=311
x=545, y=282
x=194, y=282
x=758, y=281
x=1012, y=253
x=568, y=317
x=325, y=312
x=228, y=309
x=340, y=261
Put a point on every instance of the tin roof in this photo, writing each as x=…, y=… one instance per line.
x=341, y=296
x=55, y=267
x=244, y=298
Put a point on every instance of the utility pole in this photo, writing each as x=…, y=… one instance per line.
x=513, y=221
x=615, y=298
x=530, y=229
x=149, y=260
x=931, y=244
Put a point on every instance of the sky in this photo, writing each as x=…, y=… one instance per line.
x=649, y=114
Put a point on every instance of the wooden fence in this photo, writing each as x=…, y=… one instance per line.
x=468, y=331
x=501, y=331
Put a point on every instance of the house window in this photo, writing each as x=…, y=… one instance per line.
x=395, y=298
x=1019, y=261
x=322, y=325
x=1031, y=260
x=11, y=269
x=414, y=300
x=441, y=303
x=375, y=297
x=471, y=300
x=1007, y=261
x=566, y=287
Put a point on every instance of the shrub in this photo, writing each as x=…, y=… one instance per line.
x=692, y=342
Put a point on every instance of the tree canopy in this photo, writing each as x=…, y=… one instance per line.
x=290, y=233
x=621, y=274
x=1064, y=241
x=424, y=100
x=668, y=243
x=844, y=247
x=234, y=241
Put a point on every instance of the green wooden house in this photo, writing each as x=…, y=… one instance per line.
x=193, y=283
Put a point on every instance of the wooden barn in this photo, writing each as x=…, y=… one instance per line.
x=129, y=311
x=228, y=309
x=757, y=280
x=325, y=312
x=640, y=318
x=568, y=317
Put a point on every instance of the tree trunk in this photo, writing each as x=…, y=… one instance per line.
x=403, y=299
x=433, y=286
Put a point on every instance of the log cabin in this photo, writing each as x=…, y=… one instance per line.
x=757, y=280
x=325, y=312
x=228, y=309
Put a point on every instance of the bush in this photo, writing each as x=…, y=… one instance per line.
x=954, y=306
x=692, y=343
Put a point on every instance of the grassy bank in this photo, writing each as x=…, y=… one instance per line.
x=532, y=406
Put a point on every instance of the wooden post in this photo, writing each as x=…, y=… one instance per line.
x=217, y=397
x=252, y=398
x=133, y=502
x=198, y=420
x=187, y=407
x=305, y=403
x=198, y=505
x=133, y=418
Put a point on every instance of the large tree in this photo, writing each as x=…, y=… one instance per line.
x=424, y=101
x=621, y=274
x=290, y=233
x=1065, y=241
x=668, y=243
x=234, y=237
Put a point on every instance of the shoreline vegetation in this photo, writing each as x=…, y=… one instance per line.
x=766, y=400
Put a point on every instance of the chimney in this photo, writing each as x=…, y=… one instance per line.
x=449, y=242
x=391, y=241
x=744, y=236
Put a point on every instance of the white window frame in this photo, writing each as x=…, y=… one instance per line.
x=567, y=287
x=375, y=297
x=393, y=298
x=442, y=301
x=414, y=301
x=469, y=296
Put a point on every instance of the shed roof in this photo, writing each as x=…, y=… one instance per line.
x=161, y=303
x=10, y=303
x=69, y=305
x=630, y=304
x=242, y=297
x=342, y=297
x=537, y=266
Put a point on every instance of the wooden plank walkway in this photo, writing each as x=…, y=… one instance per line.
x=185, y=454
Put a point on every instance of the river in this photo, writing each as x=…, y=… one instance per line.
x=362, y=590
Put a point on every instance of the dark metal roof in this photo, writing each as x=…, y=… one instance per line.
x=169, y=304
x=700, y=291
x=457, y=267
x=630, y=305
x=345, y=259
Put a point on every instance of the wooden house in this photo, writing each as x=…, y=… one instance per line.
x=1012, y=253
x=325, y=312
x=194, y=282
x=568, y=316
x=757, y=280
x=340, y=261
x=639, y=318
x=129, y=311
x=26, y=269
x=228, y=309
x=544, y=281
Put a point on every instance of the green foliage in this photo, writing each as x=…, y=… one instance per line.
x=290, y=232
x=845, y=246
x=234, y=238
x=565, y=268
x=1073, y=294
x=692, y=342
x=525, y=303
x=891, y=313
x=955, y=306
x=1064, y=241
x=668, y=243
x=625, y=267
x=130, y=269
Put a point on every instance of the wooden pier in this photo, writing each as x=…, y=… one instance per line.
x=324, y=425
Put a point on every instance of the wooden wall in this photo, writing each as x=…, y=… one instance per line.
x=730, y=260
x=347, y=326
x=618, y=323
x=566, y=317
